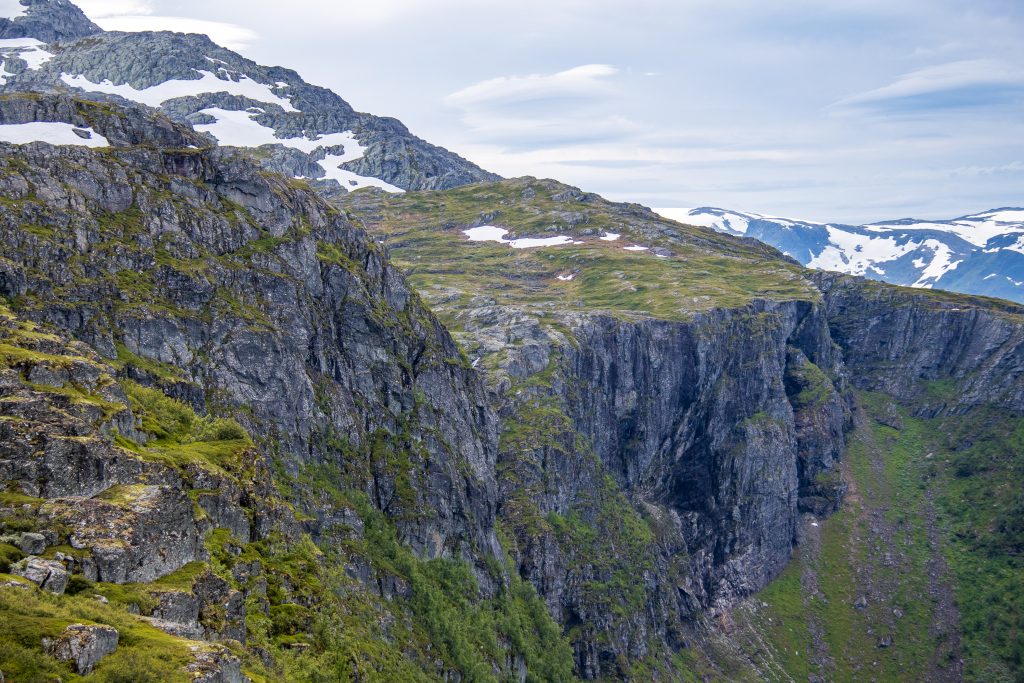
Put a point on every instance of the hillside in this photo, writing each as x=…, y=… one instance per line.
x=300, y=130
x=253, y=428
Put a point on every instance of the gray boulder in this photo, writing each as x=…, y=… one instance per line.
x=32, y=544
x=83, y=646
x=47, y=574
x=217, y=666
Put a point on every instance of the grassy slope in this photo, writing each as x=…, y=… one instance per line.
x=701, y=269
x=931, y=535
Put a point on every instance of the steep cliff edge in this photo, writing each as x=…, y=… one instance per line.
x=639, y=422
x=672, y=403
x=212, y=301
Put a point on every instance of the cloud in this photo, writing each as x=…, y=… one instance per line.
x=580, y=83
x=954, y=85
x=100, y=9
x=564, y=108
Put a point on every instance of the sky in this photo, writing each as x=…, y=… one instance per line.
x=829, y=110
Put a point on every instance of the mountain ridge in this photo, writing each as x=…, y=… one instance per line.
x=500, y=431
x=980, y=253
x=231, y=98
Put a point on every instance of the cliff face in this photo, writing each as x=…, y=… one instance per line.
x=902, y=342
x=224, y=409
x=654, y=464
x=676, y=453
x=186, y=269
x=254, y=291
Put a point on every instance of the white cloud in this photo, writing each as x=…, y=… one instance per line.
x=584, y=81
x=231, y=36
x=100, y=9
x=567, y=107
x=938, y=79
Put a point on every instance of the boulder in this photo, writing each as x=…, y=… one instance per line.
x=216, y=666
x=32, y=544
x=83, y=646
x=47, y=574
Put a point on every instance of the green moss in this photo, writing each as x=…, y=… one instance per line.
x=815, y=387
x=182, y=437
x=155, y=368
x=9, y=555
x=182, y=579
x=705, y=270
x=29, y=616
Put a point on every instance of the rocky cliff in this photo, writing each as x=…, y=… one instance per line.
x=655, y=459
x=300, y=129
x=233, y=431
x=213, y=302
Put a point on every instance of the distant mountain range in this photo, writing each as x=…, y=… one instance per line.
x=982, y=253
x=301, y=130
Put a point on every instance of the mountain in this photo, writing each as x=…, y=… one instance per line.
x=981, y=253
x=300, y=130
x=259, y=429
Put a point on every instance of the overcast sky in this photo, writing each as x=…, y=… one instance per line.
x=832, y=110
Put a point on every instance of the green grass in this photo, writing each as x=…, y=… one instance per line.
x=706, y=270
x=972, y=467
x=144, y=654
x=181, y=437
x=156, y=369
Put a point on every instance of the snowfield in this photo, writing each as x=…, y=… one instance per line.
x=52, y=133
x=208, y=83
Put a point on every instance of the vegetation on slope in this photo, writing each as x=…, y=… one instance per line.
x=685, y=269
x=307, y=609
x=921, y=569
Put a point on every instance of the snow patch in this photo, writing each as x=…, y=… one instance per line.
x=723, y=221
x=28, y=49
x=636, y=248
x=50, y=132
x=1017, y=246
x=240, y=129
x=349, y=180
x=854, y=253
x=941, y=263
x=977, y=229
x=610, y=236
x=490, y=233
x=208, y=83
x=566, y=278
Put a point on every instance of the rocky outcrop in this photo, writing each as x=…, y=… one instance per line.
x=216, y=666
x=949, y=352
x=83, y=646
x=134, y=533
x=307, y=326
x=704, y=428
x=210, y=610
x=49, y=575
x=50, y=21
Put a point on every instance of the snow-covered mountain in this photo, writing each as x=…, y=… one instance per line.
x=981, y=253
x=301, y=130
